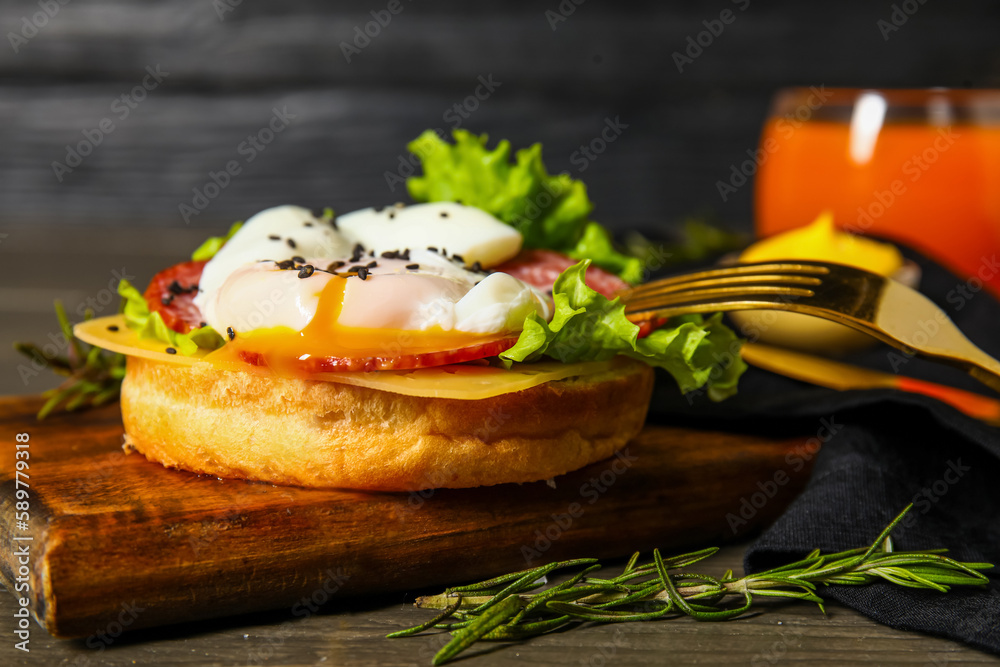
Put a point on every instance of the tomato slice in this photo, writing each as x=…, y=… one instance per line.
x=171, y=293
x=314, y=365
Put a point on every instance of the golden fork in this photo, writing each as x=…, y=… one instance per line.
x=878, y=306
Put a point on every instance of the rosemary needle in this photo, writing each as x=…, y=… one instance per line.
x=93, y=376
x=504, y=609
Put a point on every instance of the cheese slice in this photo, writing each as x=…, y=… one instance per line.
x=457, y=381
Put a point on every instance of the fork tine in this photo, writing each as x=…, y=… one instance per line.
x=756, y=269
x=875, y=305
x=712, y=300
x=750, y=280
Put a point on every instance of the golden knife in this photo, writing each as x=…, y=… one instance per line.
x=838, y=375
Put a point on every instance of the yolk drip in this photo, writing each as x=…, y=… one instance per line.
x=324, y=336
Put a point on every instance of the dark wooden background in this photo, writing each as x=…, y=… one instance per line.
x=229, y=63
x=353, y=119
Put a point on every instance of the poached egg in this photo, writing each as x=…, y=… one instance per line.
x=290, y=285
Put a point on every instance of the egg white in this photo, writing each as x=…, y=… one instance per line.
x=244, y=288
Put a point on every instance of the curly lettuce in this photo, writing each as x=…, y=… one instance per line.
x=151, y=325
x=587, y=326
x=551, y=211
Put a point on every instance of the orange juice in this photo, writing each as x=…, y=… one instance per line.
x=934, y=186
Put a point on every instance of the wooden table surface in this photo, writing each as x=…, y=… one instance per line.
x=79, y=264
x=351, y=632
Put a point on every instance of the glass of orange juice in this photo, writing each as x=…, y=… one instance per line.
x=921, y=167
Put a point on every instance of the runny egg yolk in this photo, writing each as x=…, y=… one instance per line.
x=324, y=336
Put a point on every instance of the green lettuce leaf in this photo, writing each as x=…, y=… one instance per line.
x=587, y=326
x=151, y=325
x=551, y=211
x=212, y=244
x=596, y=243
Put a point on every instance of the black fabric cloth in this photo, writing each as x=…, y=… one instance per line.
x=885, y=449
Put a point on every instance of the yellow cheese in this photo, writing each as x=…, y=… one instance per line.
x=113, y=334
x=458, y=381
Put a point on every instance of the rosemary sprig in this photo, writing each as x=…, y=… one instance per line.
x=503, y=609
x=93, y=376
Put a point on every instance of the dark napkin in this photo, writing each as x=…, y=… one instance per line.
x=884, y=449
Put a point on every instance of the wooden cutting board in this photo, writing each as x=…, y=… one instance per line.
x=117, y=539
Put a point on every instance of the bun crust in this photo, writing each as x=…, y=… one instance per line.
x=254, y=425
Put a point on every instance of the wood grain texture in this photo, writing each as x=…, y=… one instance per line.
x=112, y=529
x=226, y=73
x=351, y=632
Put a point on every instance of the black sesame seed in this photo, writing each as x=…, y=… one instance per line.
x=371, y=253
x=413, y=267
x=379, y=209
x=362, y=272
x=291, y=243
x=203, y=324
x=358, y=251
x=300, y=260
x=307, y=224
x=444, y=214
x=432, y=248
x=477, y=267
x=405, y=254
x=171, y=350
x=231, y=333
x=318, y=213
x=112, y=327
x=371, y=265
x=334, y=266
x=176, y=288
x=274, y=237
x=306, y=271
x=458, y=258
x=444, y=251
x=391, y=215
x=390, y=254
x=285, y=264
x=167, y=299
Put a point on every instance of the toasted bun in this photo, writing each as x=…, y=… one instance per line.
x=257, y=426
